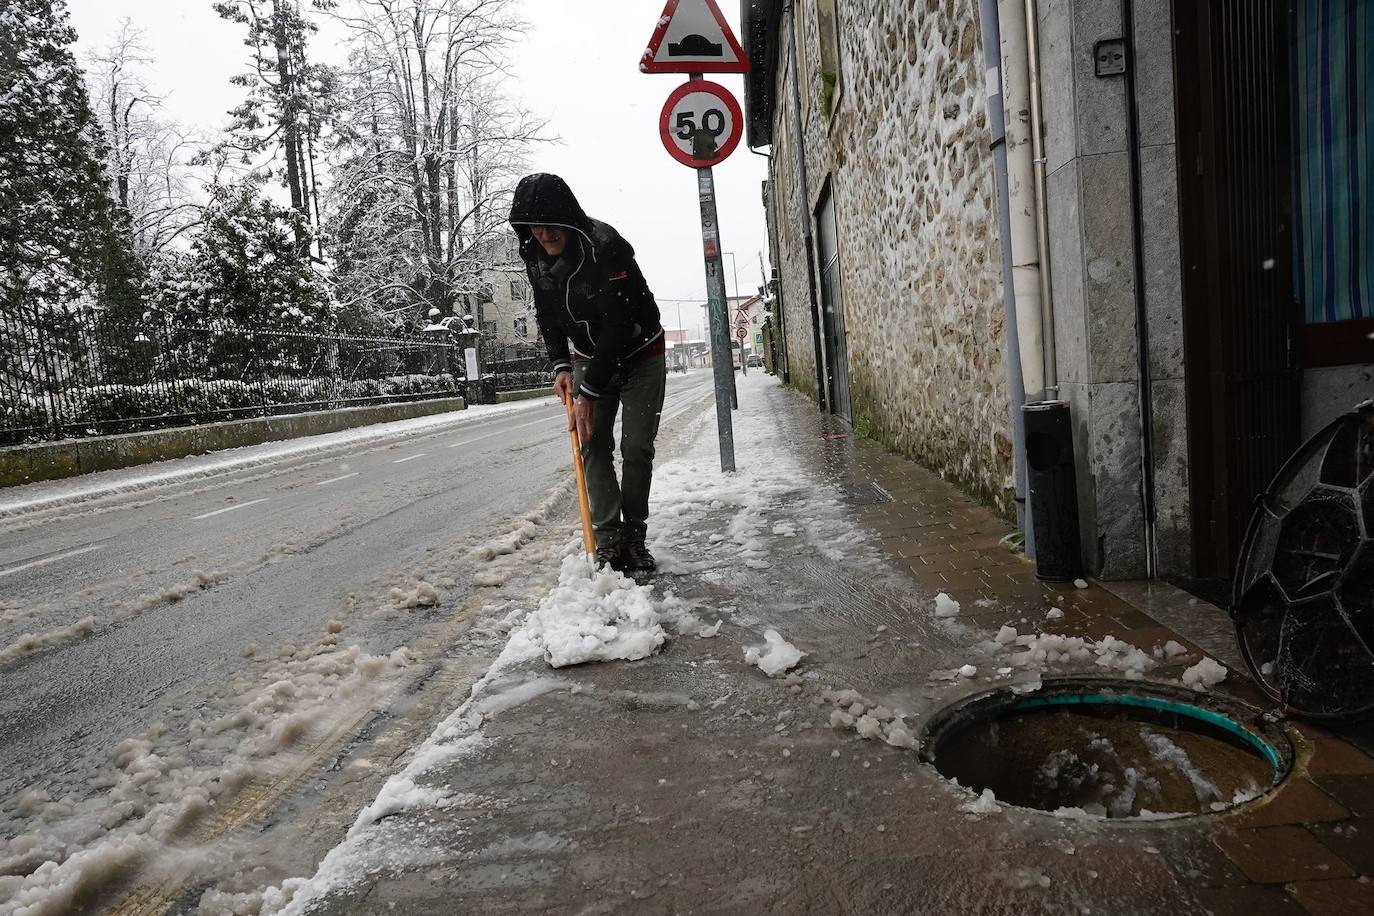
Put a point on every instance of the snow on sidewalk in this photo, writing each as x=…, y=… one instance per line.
x=602, y=616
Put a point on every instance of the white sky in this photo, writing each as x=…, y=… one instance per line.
x=577, y=68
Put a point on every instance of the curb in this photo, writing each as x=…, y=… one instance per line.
x=73, y=457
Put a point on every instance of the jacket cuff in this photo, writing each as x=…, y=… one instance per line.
x=562, y=367
x=590, y=393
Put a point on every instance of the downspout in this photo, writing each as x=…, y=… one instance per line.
x=987, y=14
x=804, y=195
x=1022, y=210
x=780, y=349
x=1037, y=127
x=1144, y=383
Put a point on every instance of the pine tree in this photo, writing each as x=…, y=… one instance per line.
x=61, y=252
x=57, y=237
x=288, y=99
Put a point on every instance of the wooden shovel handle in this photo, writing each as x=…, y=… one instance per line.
x=588, y=538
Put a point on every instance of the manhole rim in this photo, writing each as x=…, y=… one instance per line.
x=1256, y=725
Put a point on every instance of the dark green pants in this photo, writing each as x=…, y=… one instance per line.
x=620, y=508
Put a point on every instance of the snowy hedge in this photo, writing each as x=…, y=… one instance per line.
x=194, y=397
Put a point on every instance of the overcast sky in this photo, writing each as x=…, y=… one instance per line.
x=577, y=68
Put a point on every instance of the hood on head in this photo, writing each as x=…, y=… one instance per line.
x=546, y=200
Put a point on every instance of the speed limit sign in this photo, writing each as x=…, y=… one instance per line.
x=701, y=124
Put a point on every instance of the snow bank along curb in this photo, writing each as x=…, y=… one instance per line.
x=72, y=457
x=198, y=466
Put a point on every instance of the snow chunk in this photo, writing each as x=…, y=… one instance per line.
x=1206, y=673
x=945, y=606
x=1080, y=583
x=775, y=656
x=898, y=736
x=983, y=804
x=968, y=671
x=1054, y=614
x=868, y=727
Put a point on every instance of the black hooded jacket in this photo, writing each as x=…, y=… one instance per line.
x=593, y=294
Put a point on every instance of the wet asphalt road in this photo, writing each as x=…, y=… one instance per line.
x=285, y=545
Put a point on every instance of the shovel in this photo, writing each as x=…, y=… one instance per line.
x=588, y=539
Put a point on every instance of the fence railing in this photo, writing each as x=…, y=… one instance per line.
x=94, y=376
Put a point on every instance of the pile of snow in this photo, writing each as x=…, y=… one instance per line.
x=1044, y=649
x=421, y=594
x=775, y=656
x=1206, y=673
x=596, y=615
x=162, y=783
x=31, y=642
x=945, y=606
x=869, y=720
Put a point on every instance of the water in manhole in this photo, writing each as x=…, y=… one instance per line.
x=1100, y=751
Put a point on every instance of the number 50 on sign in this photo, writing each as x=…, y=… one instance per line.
x=701, y=124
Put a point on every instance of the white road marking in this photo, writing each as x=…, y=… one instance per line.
x=251, y=502
x=411, y=458
x=544, y=421
x=337, y=479
x=53, y=559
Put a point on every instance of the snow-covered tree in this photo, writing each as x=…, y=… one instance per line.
x=148, y=157
x=56, y=238
x=243, y=267
x=289, y=99
x=61, y=256
x=422, y=181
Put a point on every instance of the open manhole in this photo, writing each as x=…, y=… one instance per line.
x=1101, y=749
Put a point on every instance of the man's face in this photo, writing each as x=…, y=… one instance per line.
x=553, y=238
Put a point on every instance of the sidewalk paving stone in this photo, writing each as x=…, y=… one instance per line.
x=1278, y=855
x=1335, y=898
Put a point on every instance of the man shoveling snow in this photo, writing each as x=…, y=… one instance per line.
x=601, y=328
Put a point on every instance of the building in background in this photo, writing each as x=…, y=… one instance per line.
x=1202, y=255
x=506, y=301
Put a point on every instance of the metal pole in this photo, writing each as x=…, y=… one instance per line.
x=715, y=294
x=743, y=364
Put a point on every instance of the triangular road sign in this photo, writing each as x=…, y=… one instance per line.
x=693, y=37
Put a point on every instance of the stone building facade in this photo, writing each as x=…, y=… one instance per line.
x=893, y=135
x=507, y=301
x=1193, y=351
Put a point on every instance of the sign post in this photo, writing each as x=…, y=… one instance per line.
x=701, y=124
x=742, y=332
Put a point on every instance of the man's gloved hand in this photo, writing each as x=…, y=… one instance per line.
x=582, y=417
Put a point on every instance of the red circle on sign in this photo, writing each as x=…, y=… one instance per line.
x=666, y=128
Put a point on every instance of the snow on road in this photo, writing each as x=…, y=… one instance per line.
x=34, y=497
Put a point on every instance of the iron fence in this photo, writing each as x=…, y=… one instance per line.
x=93, y=376
x=520, y=367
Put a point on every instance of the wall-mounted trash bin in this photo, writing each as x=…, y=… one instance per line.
x=1053, y=486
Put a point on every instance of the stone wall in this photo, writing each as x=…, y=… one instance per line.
x=906, y=154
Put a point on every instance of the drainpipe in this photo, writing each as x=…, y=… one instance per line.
x=804, y=195
x=1022, y=210
x=987, y=14
x=1144, y=386
x=1037, y=127
x=780, y=349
